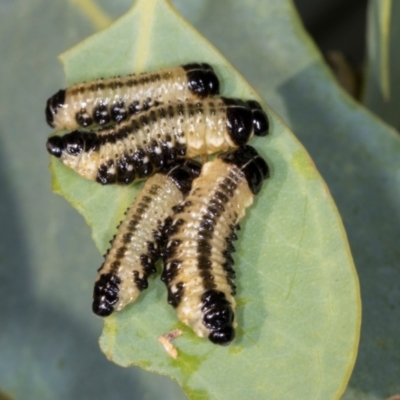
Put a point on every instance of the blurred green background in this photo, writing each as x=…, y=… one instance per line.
x=48, y=341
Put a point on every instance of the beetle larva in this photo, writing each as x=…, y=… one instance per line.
x=197, y=262
x=106, y=100
x=139, y=147
x=136, y=246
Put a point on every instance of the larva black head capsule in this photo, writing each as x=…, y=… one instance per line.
x=184, y=173
x=239, y=121
x=250, y=163
x=218, y=317
x=202, y=79
x=105, y=294
x=53, y=104
x=260, y=119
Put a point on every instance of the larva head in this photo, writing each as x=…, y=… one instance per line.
x=53, y=104
x=250, y=163
x=239, y=121
x=105, y=294
x=71, y=144
x=244, y=119
x=184, y=173
x=218, y=317
x=260, y=119
x=202, y=79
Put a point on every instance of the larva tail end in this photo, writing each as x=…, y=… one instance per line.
x=55, y=146
x=218, y=317
x=223, y=336
x=105, y=294
x=102, y=309
x=260, y=118
x=53, y=104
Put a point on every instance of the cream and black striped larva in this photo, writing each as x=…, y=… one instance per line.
x=197, y=262
x=140, y=146
x=136, y=246
x=113, y=100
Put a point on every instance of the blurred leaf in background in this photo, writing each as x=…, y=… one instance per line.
x=47, y=342
x=382, y=93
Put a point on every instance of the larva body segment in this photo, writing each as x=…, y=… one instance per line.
x=197, y=259
x=137, y=148
x=113, y=100
x=136, y=246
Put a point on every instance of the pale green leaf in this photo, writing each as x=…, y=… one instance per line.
x=297, y=290
x=357, y=154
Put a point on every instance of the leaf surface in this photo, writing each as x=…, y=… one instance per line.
x=357, y=154
x=298, y=296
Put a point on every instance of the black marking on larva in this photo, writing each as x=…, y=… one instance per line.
x=154, y=145
x=152, y=250
x=239, y=123
x=125, y=170
x=155, y=154
x=105, y=294
x=134, y=107
x=73, y=143
x=260, y=118
x=183, y=176
x=118, y=112
x=53, y=104
x=120, y=252
x=141, y=283
x=175, y=298
x=171, y=248
x=127, y=238
x=104, y=176
x=229, y=246
x=101, y=115
x=171, y=228
x=204, y=265
x=156, y=239
x=170, y=271
x=218, y=317
x=250, y=163
x=115, y=265
x=55, y=146
x=213, y=253
x=148, y=264
x=146, y=104
x=202, y=79
x=228, y=186
x=203, y=247
x=221, y=197
x=83, y=118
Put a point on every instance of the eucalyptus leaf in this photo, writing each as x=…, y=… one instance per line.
x=357, y=154
x=299, y=307
x=48, y=334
